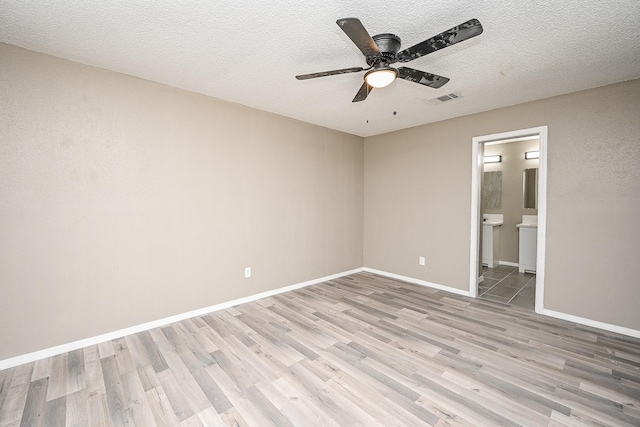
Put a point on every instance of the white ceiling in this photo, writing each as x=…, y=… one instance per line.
x=248, y=51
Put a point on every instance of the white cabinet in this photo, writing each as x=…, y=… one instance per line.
x=528, y=247
x=490, y=245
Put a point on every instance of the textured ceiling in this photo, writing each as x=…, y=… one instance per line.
x=248, y=52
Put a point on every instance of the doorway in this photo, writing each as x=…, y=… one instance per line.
x=476, y=210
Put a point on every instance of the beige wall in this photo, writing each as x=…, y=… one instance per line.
x=123, y=201
x=418, y=191
x=512, y=165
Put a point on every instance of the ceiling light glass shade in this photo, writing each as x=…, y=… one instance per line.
x=380, y=77
x=532, y=155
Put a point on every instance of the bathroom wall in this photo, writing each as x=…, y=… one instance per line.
x=418, y=199
x=512, y=165
x=124, y=201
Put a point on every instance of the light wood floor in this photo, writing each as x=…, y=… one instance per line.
x=358, y=351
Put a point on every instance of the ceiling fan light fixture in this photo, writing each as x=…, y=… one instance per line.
x=380, y=77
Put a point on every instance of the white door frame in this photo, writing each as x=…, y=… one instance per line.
x=476, y=213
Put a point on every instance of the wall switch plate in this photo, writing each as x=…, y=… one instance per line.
x=421, y=260
x=247, y=272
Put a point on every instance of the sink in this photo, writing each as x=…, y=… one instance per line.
x=528, y=221
x=492, y=220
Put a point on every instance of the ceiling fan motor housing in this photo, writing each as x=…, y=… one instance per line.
x=389, y=45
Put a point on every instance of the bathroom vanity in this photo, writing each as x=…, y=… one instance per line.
x=491, y=239
x=528, y=243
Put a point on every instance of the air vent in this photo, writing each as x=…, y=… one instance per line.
x=445, y=98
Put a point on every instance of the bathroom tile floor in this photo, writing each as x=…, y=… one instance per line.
x=505, y=284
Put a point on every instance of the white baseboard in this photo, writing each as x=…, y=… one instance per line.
x=510, y=264
x=575, y=319
x=594, y=323
x=75, y=345
x=54, y=351
x=418, y=282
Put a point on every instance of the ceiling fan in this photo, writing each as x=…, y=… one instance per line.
x=382, y=50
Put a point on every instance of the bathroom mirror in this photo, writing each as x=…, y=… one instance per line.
x=530, y=188
x=492, y=190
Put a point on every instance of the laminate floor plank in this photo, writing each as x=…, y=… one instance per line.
x=148, y=377
x=57, y=384
x=76, y=411
x=239, y=398
x=359, y=350
x=137, y=350
x=267, y=339
x=267, y=409
x=450, y=397
x=196, y=347
x=6, y=377
x=174, y=395
x=180, y=381
x=75, y=371
x=98, y=411
x=298, y=314
x=94, y=377
x=55, y=412
x=137, y=403
x=209, y=418
x=106, y=349
x=209, y=387
x=365, y=399
x=362, y=413
x=123, y=356
x=163, y=413
x=393, y=396
x=41, y=369
x=34, y=408
x=320, y=395
x=193, y=421
x=233, y=418
x=302, y=410
x=115, y=394
x=301, y=399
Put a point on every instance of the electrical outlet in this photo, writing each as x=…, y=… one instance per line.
x=247, y=272
x=421, y=260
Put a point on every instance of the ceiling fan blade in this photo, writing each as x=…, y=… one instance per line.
x=359, y=36
x=363, y=92
x=421, y=77
x=329, y=73
x=457, y=34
